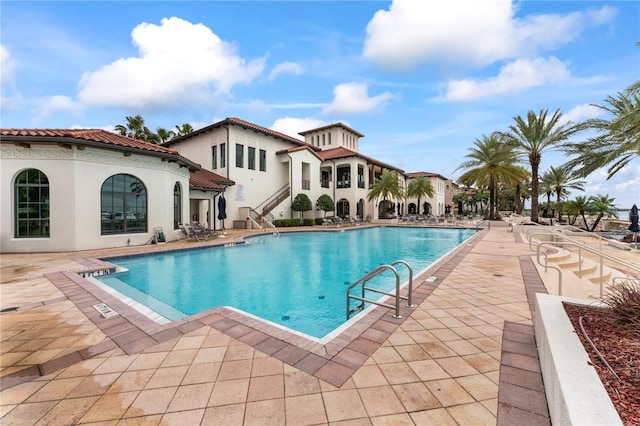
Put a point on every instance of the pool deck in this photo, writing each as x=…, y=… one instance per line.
x=464, y=355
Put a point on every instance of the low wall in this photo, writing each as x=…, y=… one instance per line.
x=575, y=393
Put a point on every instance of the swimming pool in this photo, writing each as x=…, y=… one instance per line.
x=298, y=280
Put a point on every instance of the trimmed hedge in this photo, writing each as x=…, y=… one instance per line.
x=285, y=223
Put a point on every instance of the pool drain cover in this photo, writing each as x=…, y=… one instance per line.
x=285, y=318
x=105, y=310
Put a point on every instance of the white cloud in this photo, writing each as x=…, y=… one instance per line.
x=623, y=186
x=411, y=32
x=351, y=98
x=7, y=64
x=582, y=112
x=292, y=126
x=514, y=77
x=53, y=104
x=177, y=61
x=286, y=68
x=11, y=98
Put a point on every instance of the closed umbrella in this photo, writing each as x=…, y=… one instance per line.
x=633, y=217
x=222, y=209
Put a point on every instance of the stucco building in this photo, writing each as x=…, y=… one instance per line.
x=66, y=190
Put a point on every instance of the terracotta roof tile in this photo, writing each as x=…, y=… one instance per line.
x=204, y=179
x=242, y=123
x=328, y=126
x=426, y=174
x=342, y=152
x=96, y=135
x=100, y=136
x=300, y=148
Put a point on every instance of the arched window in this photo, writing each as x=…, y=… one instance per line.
x=32, y=204
x=123, y=205
x=177, y=205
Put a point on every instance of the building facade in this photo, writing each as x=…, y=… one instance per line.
x=69, y=190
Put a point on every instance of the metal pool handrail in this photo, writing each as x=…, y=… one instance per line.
x=363, y=281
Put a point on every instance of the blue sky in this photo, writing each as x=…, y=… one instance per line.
x=420, y=79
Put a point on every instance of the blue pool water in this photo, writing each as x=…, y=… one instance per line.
x=298, y=280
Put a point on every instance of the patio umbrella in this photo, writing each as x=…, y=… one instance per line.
x=425, y=208
x=633, y=217
x=222, y=209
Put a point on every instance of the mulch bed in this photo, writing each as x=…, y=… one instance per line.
x=620, y=348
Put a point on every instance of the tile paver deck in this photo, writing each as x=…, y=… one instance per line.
x=447, y=362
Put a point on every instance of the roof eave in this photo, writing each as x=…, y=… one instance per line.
x=22, y=140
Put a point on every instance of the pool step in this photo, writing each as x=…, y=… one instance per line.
x=356, y=309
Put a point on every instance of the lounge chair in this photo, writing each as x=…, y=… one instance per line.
x=203, y=232
x=181, y=232
x=188, y=233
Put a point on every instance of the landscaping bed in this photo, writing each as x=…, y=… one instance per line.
x=619, y=346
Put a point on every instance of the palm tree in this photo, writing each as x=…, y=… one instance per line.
x=462, y=199
x=133, y=128
x=559, y=180
x=491, y=161
x=136, y=129
x=185, y=129
x=164, y=134
x=601, y=205
x=618, y=142
x=419, y=187
x=576, y=207
x=533, y=137
x=546, y=187
x=387, y=186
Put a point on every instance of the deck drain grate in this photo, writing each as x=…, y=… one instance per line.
x=431, y=279
x=105, y=310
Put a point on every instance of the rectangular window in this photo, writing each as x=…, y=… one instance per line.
x=214, y=157
x=239, y=155
x=263, y=160
x=223, y=155
x=252, y=158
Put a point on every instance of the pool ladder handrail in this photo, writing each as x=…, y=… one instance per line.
x=397, y=296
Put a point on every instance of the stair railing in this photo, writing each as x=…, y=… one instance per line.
x=397, y=296
x=631, y=268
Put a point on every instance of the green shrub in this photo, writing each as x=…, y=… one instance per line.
x=285, y=223
x=318, y=221
x=308, y=222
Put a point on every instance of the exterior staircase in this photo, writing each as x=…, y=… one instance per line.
x=584, y=274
